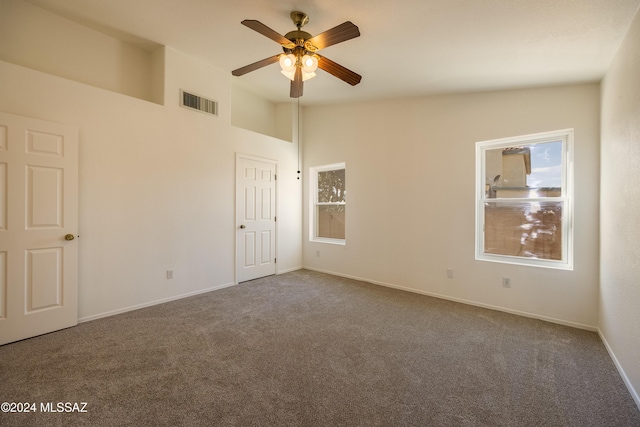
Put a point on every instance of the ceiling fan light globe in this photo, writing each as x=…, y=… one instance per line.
x=307, y=76
x=309, y=63
x=288, y=63
x=289, y=74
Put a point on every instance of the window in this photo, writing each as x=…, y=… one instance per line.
x=524, y=200
x=328, y=200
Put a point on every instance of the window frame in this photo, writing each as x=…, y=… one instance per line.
x=313, y=203
x=567, y=198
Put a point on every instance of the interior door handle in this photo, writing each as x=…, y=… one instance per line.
x=69, y=237
x=243, y=226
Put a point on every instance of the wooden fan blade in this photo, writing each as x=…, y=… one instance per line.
x=343, y=32
x=252, y=67
x=266, y=31
x=296, y=84
x=338, y=70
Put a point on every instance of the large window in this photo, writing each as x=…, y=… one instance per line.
x=328, y=204
x=524, y=200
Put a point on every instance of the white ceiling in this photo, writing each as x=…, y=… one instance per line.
x=406, y=47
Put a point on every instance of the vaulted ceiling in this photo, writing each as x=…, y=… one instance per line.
x=406, y=48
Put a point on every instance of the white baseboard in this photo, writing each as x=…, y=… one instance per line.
x=621, y=371
x=161, y=301
x=151, y=303
x=289, y=270
x=464, y=301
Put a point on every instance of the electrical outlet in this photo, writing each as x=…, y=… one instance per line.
x=450, y=273
x=169, y=274
x=506, y=282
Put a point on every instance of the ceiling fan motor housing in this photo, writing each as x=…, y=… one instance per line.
x=298, y=37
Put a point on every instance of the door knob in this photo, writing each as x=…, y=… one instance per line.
x=69, y=237
x=243, y=226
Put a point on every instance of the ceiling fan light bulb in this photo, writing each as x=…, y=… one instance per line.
x=309, y=63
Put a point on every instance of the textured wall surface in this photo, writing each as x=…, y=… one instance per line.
x=620, y=228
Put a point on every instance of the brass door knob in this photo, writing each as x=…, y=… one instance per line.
x=243, y=226
x=69, y=237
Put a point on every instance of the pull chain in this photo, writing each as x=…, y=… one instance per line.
x=298, y=117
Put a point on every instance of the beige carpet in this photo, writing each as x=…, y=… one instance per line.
x=309, y=349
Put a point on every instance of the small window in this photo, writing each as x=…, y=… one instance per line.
x=524, y=200
x=328, y=210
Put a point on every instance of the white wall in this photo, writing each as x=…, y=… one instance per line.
x=252, y=112
x=620, y=206
x=410, y=195
x=157, y=183
x=249, y=111
x=38, y=39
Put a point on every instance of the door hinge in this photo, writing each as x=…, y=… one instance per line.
x=275, y=218
x=275, y=260
x=275, y=177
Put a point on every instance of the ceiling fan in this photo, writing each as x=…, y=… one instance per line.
x=300, y=58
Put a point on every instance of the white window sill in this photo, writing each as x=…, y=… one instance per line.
x=530, y=262
x=340, y=242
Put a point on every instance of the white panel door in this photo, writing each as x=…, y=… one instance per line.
x=255, y=217
x=38, y=227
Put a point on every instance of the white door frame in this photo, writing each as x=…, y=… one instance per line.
x=240, y=209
